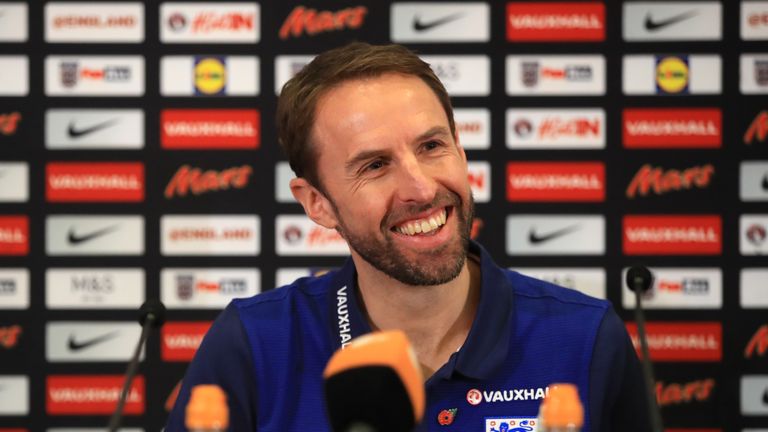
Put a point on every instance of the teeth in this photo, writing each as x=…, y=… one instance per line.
x=424, y=225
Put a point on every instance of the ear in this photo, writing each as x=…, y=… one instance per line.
x=315, y=204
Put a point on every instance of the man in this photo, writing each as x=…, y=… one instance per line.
x=369, y=132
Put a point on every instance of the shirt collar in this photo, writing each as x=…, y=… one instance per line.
x=487, y=343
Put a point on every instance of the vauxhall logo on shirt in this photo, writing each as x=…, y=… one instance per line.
x=476, y=396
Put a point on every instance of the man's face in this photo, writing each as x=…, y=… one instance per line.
x=394, y=177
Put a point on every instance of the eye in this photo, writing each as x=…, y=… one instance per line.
x=431, y=145
x=375, y=165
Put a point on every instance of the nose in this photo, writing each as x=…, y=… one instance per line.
x=416, y=184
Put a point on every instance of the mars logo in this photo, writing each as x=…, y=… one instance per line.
x=649, y=179
x=9, y=123
x=9, y=336
x=758, y=130
x=198, y=182
x=210, y=76
x=676, y=394
x=310, y=21
x=758, y=345
x=672, y=74
x=474, y=397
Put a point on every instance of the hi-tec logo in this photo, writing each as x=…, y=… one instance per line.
x=672, y=128
x=311, y=22
x=547, y=22
x=573, y=128
x=475, y=396
x=342, y=315
x=209, y=22
x=659, y=181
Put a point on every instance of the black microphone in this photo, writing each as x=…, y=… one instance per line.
x=151, y=315
x=375, y=385
x=639, y=279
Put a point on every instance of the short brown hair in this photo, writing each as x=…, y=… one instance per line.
x=299, y=96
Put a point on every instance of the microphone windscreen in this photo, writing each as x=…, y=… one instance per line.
x=375, y=382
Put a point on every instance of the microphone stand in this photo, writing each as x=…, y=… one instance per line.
x=639, y=280
x=151, y=314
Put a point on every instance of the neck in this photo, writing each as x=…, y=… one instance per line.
x=435, y=318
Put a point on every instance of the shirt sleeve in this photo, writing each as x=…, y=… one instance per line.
x=617, y=392
x=223, y=358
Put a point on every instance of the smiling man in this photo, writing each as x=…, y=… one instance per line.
x=369, y=132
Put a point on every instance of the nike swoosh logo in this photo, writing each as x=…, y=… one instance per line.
x=73, y=132
x=421, y=26
x=536, y=238
x=652, y=25
x=75, y=239
x=75, y=345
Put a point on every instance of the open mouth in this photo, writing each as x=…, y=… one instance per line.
x=425, y=226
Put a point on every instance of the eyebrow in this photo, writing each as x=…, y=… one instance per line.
x=372, y=154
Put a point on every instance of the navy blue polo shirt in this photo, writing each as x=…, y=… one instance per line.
x=268, y=353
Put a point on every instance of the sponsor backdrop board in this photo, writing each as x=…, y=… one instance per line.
x=138, y=160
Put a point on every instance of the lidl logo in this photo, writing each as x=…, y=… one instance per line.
x=210, y=76
x=672, y=74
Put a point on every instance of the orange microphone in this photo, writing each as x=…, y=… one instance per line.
x=375, y=385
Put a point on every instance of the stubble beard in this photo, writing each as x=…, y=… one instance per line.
x=435, y=267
